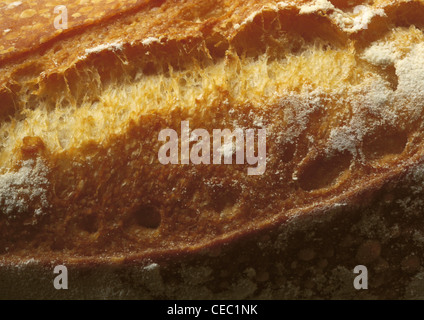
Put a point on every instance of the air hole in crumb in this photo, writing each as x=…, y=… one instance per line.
x=148, y=217
x=217, y=46
x=386, y=143
x=323, y=171
x=182, y=82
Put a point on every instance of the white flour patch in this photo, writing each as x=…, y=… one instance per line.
x=27, y=185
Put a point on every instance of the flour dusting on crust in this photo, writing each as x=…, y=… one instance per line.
x=27, y=185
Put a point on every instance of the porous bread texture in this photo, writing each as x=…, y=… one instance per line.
x=340, y=96
x=260, y=81
x=187, y=85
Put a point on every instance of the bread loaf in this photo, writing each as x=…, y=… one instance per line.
x=338, y=87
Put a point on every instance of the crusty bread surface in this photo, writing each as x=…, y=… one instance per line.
x=338, y=86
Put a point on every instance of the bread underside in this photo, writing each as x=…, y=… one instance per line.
x=338, y=86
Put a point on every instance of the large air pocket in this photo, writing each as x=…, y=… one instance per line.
x=321, y=171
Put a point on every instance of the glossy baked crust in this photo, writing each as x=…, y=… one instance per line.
x=339, y=87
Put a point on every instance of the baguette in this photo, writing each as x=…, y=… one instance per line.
x=338, y=86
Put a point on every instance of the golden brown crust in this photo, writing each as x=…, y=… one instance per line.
x=27, y=26
x=338, y=91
